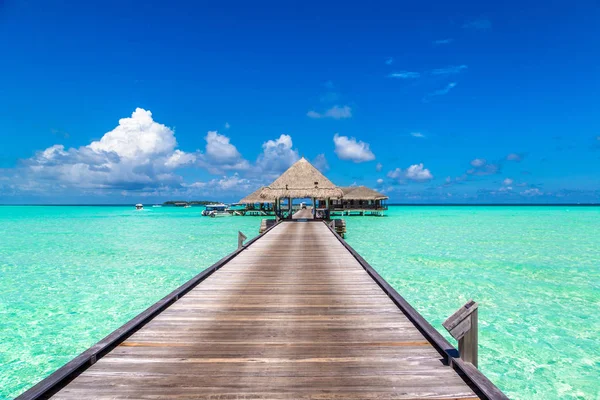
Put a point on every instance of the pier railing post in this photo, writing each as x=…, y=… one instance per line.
x=241, y=238
x=463, y=326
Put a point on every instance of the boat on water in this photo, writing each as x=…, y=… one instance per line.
x=216, y=210
x=139, y=206
x=156, y=205
x=187, y=206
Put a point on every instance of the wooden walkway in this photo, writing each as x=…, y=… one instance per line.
x=303, y=213
x=292, y=316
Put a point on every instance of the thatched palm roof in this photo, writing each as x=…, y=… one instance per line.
x=362, y=193
x=301, y=180
x=347, y=189
x=254, y=198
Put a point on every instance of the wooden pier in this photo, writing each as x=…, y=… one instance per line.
x=294, y=314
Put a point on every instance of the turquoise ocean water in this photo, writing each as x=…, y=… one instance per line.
x=71, y=275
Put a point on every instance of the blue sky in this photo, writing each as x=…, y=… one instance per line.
x=127, y=101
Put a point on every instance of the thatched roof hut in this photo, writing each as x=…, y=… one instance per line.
x=301, y=180
x=254, y=198
x=362, y=193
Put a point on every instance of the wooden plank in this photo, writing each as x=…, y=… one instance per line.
x=457, y=319
x=461, y=328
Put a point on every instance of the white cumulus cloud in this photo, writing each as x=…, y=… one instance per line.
x=230, y=184
x=351, y=149
x=179, y=158
x=220, y=155
x=335, y=112
x=482, y=168
x=532, y=192
x=395, y=173
x=220, y=151
x=277, y=155
x=136, y=154
x=405, y=75
x=478, y=162
x=416, y=172
x=320, y=163
x=137, y=137
x=234, y=181
x=515, y=157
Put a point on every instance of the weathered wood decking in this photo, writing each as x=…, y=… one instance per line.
x=293, y=316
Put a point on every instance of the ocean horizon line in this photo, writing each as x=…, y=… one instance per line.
x=391, y=204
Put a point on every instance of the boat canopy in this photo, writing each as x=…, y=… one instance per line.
x=215, y=207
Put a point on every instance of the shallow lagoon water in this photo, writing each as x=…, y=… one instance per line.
x=71, y=275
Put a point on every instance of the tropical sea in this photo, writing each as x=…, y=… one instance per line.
x=71, y=275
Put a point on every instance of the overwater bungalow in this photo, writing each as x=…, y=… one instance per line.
x=360, y=200
x=302, y=181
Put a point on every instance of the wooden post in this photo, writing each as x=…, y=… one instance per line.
x=241, y=238
x=468, y=345
x=462, y=325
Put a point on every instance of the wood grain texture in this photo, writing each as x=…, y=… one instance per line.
x=460, y=322
x=293, y=316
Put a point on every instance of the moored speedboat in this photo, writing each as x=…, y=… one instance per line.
x=216, y=210
x=220, y=214
x=139, y=206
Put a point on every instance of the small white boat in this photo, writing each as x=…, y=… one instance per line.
x=156, y=205
x=139, y=206
x=216, y=210
x=220, y=214
x=187, y=206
